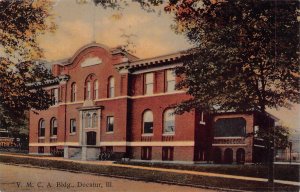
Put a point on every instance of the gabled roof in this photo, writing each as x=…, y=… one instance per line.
x=113, y=51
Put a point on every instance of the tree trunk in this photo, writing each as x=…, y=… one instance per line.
x=271, y=150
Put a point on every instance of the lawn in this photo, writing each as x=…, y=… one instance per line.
x=282, y=172
x=148, y=175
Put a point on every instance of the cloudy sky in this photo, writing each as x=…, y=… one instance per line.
x=80, y=24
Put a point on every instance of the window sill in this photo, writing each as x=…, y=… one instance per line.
x=170, y=91
x=147, y=134
x=109, y=132
x=90, y=128
x=73, y=133
x=148, y=94
x=229, y=137
x=53, y=137
x=41, y=137
x=168, y=134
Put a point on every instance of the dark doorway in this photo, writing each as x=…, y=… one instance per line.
x=240, y=156
x=91, y=138
x=217, y=155
x=228, y=156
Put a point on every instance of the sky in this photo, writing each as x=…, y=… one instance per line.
x=80, y=24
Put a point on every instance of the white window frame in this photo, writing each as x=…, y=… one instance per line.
x=108, y=118
x=42, y=127
x=111, y=87
x=53, y=124
x=72, y=125
x=88, y=90
x=147, y=119
x=168, y=116
x=96, y=89
x=73, y=92
x=170, y=77
x=149, y=83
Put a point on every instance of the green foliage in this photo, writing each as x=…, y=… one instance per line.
x=149, y=175
x=245, y=55
x=275, y=136
x=145, y=5
x=21, y=22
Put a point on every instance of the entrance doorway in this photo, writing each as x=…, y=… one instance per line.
x=240, y=156
x=228, y=156
x=91, y=138
x=217, y=155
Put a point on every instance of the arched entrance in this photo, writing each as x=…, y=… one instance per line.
x=217, y=155
x=228, y=156
x=240, y=156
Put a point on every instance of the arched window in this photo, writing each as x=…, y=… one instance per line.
x=148, y=122
x=95, y=95
x=169, y=121
x=88, y=90
x=88, y=120
x=73, y=92
x=111, y=87
x=94, y=120
x=41, y=130
x=53, y=127
x=88, y=87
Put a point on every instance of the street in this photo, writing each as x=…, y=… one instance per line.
x=17, y=178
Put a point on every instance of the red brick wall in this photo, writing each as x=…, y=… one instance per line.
x=184, y=124
x=127, y=107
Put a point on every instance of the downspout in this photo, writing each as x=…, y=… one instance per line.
x=65, y=136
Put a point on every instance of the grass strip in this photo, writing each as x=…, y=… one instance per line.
x=149, y=175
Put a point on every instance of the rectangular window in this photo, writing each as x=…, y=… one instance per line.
x=73, y=92
x=40, y=149
x=110, y=124
x=52, y=149
x=111, y=87
x=170, y=80
x=146, y=153
x=72, y=125
x=54, y=96
x=109, y=149
x=167, y=153
x=149, y=79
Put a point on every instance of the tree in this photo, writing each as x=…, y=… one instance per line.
x=245, y=56
x=279, y=137
x=21, y=23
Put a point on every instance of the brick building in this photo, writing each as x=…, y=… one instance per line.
x=109, y=100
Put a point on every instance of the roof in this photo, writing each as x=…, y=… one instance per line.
x=113, y=51
x=152, y=61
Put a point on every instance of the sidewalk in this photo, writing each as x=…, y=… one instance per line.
x=110, y=163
